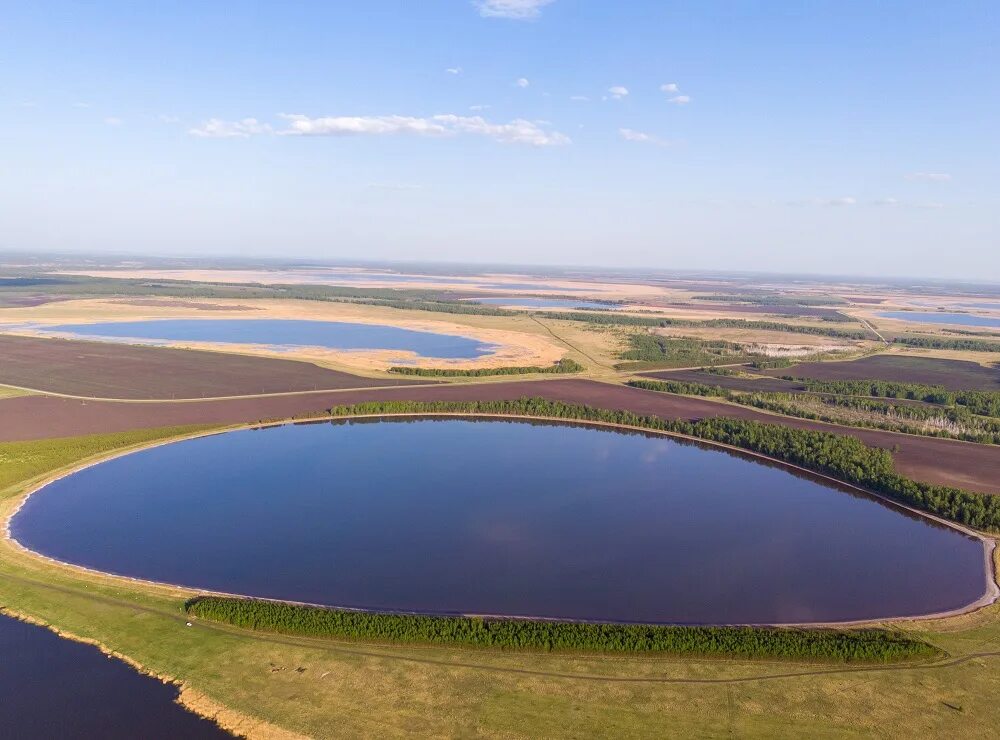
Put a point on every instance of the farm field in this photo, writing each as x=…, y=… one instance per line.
x=952, y=374
x=942, y=461
x=97, y=369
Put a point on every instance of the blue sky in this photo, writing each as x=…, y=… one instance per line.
x=799, y=136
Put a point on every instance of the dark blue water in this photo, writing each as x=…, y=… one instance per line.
x=569, y=303
x=935, y=317
x=55, y=688
x=286, y=332
x=500, y=517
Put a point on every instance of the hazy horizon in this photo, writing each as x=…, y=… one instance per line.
x=838, y=139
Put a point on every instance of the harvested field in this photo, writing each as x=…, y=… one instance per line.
x=730, y=382
x=952, y=374
x=110, y=370
x=935, y=460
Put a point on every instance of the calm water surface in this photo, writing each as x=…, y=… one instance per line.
x=500, y=517
x=56, y=688
x=569, y=303
x=285, y=332
x=940, y=317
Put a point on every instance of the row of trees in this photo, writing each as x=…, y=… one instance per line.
x=984, y=403
x=840, y=456
x=616, y=319
x=929, y=421
x=863, y=645
x=565, y=365
x=970, y=345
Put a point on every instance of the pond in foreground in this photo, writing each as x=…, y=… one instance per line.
x=51, y=687
x=284, y=332
x=501, y=517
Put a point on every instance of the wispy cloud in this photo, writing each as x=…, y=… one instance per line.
x=885, y=202
x=393, y=186
x=641, y=137
x=520, y=10
x=522, y=82
x=618, y=92
x=113, y=121
x=669, y=88
x=518, y=131
x=929, y=177
x=82, y=104
x=454, y=70
x=840, y=202
x=680, y=99
x=167, y=118
x=216, y=128
x=579, y=98
x=480, y=107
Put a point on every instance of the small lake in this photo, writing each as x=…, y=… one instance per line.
x=283, y=333
x=501, y=517
x=565, y=303
x=940, y=317
x=56, y=688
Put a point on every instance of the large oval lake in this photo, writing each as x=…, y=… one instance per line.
x=283, y=332
x=505, y=518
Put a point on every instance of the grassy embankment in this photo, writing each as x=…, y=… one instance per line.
x=263, y=682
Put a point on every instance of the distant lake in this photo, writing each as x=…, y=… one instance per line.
x=938, y=317
x=502, y=517
x=57, y=688
x=284, y=332
x=566, y=303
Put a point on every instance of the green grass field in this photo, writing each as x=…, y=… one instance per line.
x=324, y=687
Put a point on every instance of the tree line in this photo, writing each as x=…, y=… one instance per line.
x=984, y=403
x=616, y=319
x=848, y=646
x=840, y=456
x=970, y=345
x=565, y=365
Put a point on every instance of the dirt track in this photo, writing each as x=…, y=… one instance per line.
x=962, y=464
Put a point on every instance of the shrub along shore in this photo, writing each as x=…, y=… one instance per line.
x=848, y=646
x=840, y=456
x=565, y=365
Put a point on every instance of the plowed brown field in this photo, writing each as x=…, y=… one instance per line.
x=962, y=464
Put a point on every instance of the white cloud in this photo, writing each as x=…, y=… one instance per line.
x=518, y=131
x=82, y=104
x=669, y=87
x=520, y=10
x=481, y=106
x=113, y=121
x=216, y=128
x=641, y=137
x=618, y=92
x=885, y=202
x=579, y=98
x=841, y=202
x=393, y=186
x=454, y=70
x=166, y=118
x=522, y=82
x=929, y=177
x=680, y=99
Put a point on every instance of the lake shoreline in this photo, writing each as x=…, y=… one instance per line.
x=989, y=596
